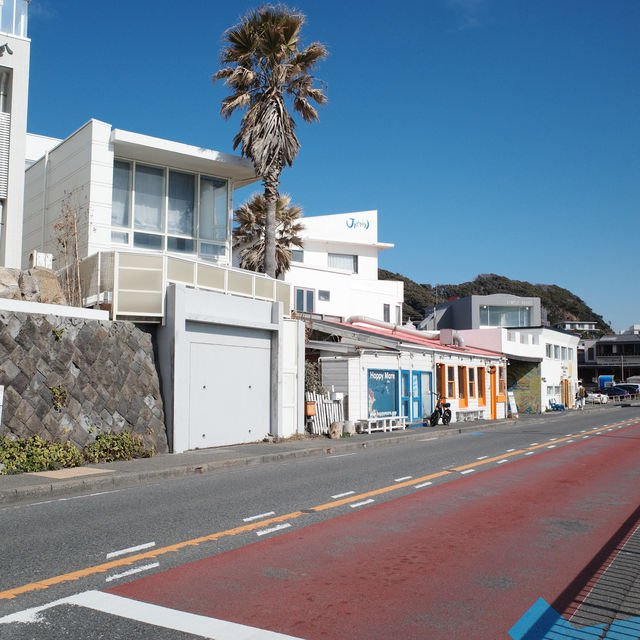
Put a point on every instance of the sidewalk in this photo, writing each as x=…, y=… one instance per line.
x=104, y=477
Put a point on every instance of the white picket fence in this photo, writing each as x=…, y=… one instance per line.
x=327, y=411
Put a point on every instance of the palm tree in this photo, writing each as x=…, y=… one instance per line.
x=263, y=67
x=249, y=234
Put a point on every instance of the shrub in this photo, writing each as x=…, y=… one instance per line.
x=109, y=447
x=36, y=454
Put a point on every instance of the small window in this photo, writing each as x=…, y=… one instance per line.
x=564, y=353
x=386, y=312
x=304, y=300
x=398, y=315
x=502, y=381
x=535, y=339
x=472, y=383
x=556, y=352
x=297, y=255
x=343, y=261
x=524, y=338
x=324, y=296
x=570, y=353
x=511, y=336
x=451, y=382
x=549, y=350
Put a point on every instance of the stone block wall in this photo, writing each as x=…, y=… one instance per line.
x=71, y=378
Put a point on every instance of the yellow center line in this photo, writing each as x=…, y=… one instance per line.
x=155, y=553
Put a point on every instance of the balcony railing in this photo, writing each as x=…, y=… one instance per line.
x=132, y=285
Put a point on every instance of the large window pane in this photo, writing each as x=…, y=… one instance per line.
x=181, y=245
x=180, y=218
x=343, y=261
x=213, y=209
x=505, y=316
x=120, y=207
x=149, y=206
x=148, y=241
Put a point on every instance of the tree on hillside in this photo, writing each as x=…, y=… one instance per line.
x=249, y=234
x=264, y=68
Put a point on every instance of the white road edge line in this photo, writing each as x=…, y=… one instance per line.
x=422, y=484
x=510, y=450
x=153, y=614
x=344, y=455
x=278, y=527
x=551, y=446
x=361, y=504
x=529, y=453
x=260, y=515
x=533, y=444
x=402, y=479
x=467, y=471
x=482, y=458
x=124, y=574
x=342, y=495
x=502, y=461
x=124, y=552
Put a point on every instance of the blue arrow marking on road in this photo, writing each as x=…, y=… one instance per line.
x=542, y=622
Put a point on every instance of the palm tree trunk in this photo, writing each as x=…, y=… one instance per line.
x=271, y=182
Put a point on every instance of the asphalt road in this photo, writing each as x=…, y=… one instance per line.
x=143, y=529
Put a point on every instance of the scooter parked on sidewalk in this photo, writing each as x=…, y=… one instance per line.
x=441, y=412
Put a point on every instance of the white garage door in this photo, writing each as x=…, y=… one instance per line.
x=229, y=389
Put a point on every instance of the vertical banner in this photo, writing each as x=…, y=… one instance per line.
x=382, y=393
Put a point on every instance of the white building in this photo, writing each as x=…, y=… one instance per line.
x=336, y=271
x=388, y=371
x=153, y=227
x=542, y=363
x=14, y=84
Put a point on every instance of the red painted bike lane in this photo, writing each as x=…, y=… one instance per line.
x=465, y=559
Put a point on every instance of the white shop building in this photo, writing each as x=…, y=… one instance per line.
x=387, y=371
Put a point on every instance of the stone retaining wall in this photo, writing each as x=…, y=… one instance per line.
x=71, y=378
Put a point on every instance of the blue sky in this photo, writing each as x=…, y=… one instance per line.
x=493, y=136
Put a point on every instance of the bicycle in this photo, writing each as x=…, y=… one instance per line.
x=441, y=412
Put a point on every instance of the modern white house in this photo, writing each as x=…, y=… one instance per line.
x=15, y=49
x=336, y=272
x=542, y=363
x=152, y=222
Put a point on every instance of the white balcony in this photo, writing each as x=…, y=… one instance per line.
x=132, y=285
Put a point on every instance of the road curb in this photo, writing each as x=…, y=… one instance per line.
x=127, y=478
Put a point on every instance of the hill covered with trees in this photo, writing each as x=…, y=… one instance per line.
x=560, y=303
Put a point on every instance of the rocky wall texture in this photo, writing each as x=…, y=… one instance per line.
x=71, y=378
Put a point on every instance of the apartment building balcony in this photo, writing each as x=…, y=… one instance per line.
x=132, y=285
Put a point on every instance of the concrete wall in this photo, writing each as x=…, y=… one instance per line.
x=232, y=334
x=78, y=171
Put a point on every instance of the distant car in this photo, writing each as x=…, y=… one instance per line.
x=615, y=391
x=597, y=398
x=630, y=387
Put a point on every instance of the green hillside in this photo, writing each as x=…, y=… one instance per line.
x=560, y=303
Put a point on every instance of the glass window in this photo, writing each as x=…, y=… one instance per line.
x=501, y=380
x=343, y=261
x=181, y=204
x=120, y=195
x=181, y=245
x=549, y=350
x=556, y=352
x=481, y=387
x=386, y=312
x=120, y=237
x=570, y=353
x=493, y=316
x=148, y=241
x=304, y=300
x=148, y=211
x=213, y=209
x=451, y=382
x=524, y=338
x=297, y=255
x=440, y=379
x=166, y=201
x=564, y=353
x=472, y=382
x=325, y=296
x=535, y=339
